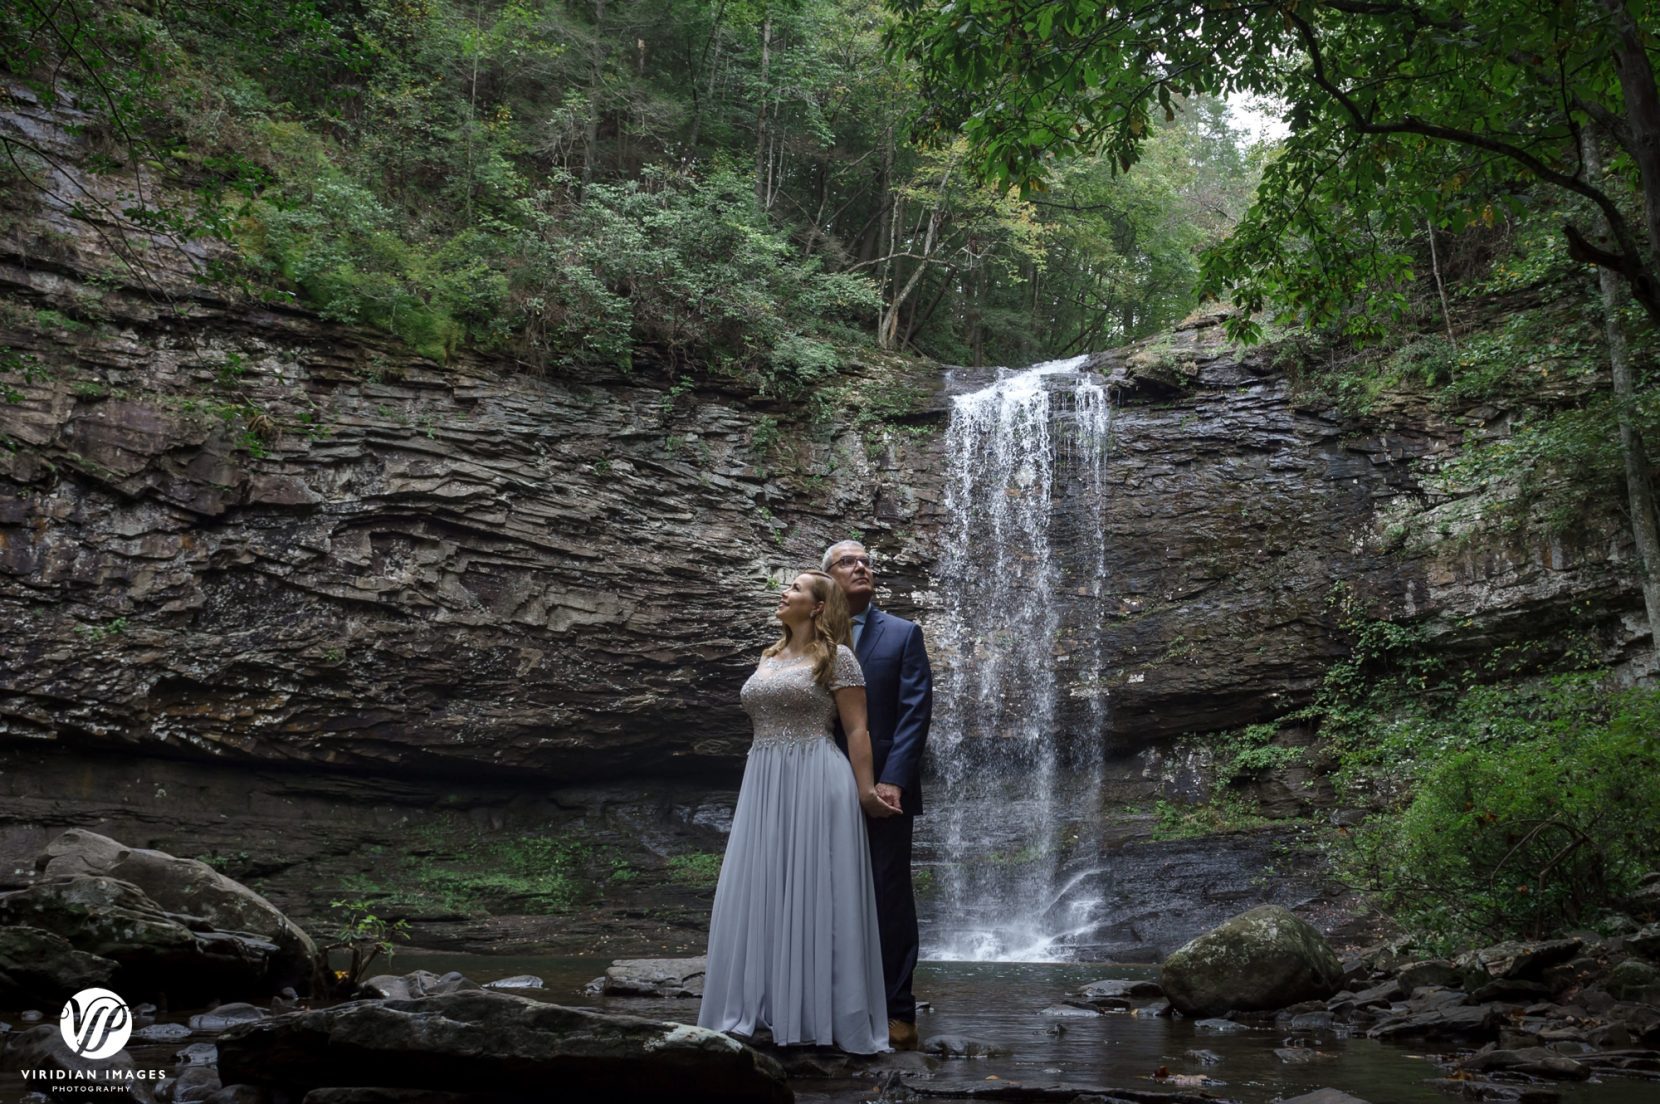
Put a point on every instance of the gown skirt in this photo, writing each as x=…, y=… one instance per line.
x=793, y=939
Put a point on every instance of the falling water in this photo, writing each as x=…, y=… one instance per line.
x=1015, y=749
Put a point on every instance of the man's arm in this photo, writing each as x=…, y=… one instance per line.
x=916, y=710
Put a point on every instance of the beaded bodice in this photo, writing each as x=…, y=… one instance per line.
x=788, y=706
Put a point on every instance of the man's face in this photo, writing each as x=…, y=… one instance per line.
x=850, y=567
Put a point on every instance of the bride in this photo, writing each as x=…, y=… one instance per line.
x=793, y=943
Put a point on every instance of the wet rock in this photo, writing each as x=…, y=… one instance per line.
x=460, y=1040
x=1324, y=1096
x=1514, y=961
x=1473, y=1089
x=1297, y=1056
x=1529, y=1061
x=1311, y=1021
x=1218, y=1026
x=1428, y=997
x=156, y=951
x=31, y=1015
x=38, y=965
x=161, y=1033
x=1266, y=958
x=417, y=983
x=1428, y=972
x=1645, y=941
x=193, y=1084
x=655, y=977
x=198, y=1054
x=1383, y=993
x=1204, y=1057
x=1510, y=989
x=1468, y=1022
x=1121, y=987
x=518, y=981
x=957, y=1046
x=193, y=888
x=1634, y=980
x=226, y=1016
x=42, y=1047
x=1072, y=1008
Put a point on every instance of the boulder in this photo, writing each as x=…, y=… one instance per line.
x=1324, y=1096
x=1260, y=960
x=192, y=1085
x=1514, y=961
x=1429, y=971
x=193, y=888
x=226, y=1016
x=419, y=983
x=1538, y=1061
x=655, y=977
x=43, y=1047
x=1120, y=987
x=41, y=967
x=1645, y=941
x=156, y=951
x=1634, y=980
x=1448, y=1021
x=477, y=1040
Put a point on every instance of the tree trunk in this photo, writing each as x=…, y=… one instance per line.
x=1642, y=113
x=1645, y=531
x=761, y=148
x=596, y=78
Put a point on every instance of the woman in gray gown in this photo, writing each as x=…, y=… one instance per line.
x=793, y=943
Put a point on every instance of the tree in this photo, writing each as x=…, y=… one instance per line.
x=1402, y=111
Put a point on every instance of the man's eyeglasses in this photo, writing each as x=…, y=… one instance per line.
x=846, y=562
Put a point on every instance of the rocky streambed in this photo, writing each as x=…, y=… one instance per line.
x=1258, y=1010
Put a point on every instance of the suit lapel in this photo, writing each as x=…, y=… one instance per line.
x=867, y=639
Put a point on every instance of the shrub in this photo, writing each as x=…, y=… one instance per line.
x=1530, y=814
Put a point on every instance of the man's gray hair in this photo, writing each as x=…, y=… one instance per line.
x=830, y=553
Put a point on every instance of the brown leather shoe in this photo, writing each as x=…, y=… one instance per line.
x=902, y=1035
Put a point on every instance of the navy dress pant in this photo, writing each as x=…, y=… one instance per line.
x=890, y=861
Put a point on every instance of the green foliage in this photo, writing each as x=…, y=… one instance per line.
x=1251, y=751
x=1224, y=812
x=697, y=870
x=1402, y=118
x=366, y=935
x=733, y=187
x=1535, y=810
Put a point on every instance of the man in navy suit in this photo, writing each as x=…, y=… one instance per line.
x=899, y=694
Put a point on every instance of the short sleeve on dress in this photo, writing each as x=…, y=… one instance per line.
x=847, y=672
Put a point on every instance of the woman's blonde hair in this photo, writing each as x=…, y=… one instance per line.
x=831, y=626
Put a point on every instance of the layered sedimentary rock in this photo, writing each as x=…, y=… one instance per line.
x=236, y=533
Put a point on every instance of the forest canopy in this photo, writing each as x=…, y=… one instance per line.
x=736, y=184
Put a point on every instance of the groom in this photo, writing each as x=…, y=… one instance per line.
x=899, y=692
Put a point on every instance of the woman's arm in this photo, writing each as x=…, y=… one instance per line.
x=850, y=704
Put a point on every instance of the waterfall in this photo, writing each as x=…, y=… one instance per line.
x=1015, y=752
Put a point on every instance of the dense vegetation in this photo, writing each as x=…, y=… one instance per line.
x=732, y=185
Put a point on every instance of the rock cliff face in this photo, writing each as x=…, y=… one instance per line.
x=235, y=533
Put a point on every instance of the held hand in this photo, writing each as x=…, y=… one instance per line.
x=889, y=794
x=873, y=805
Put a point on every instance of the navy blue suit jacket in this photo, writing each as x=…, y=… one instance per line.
x=899, y=699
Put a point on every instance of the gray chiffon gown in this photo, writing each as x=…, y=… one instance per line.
x=793, y=942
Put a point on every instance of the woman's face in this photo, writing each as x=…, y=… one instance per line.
x=797, y=605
